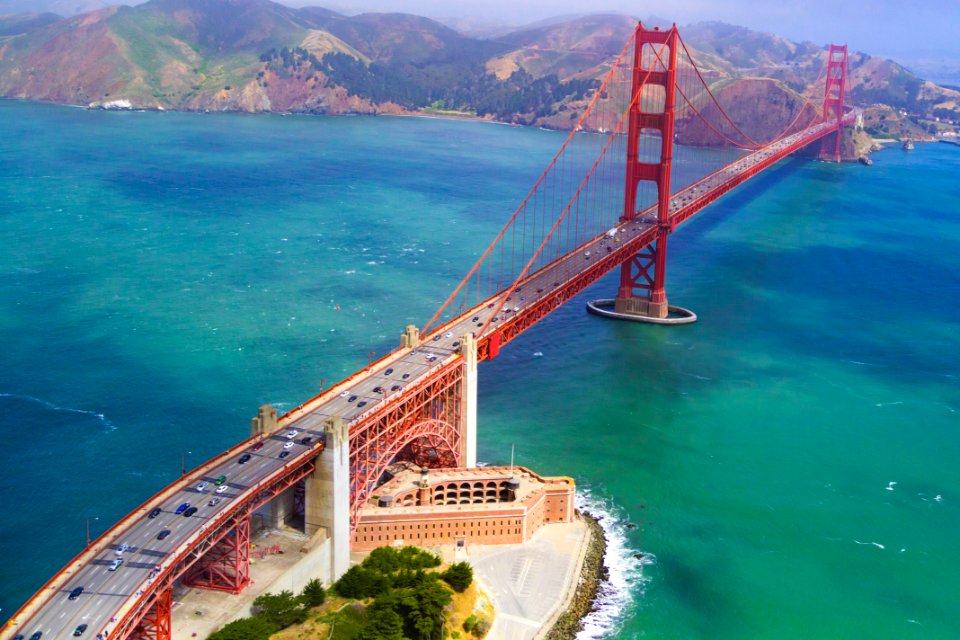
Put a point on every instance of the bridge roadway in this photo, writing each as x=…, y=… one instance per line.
x=109, y=595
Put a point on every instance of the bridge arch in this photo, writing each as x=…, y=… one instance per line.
x=430, y=443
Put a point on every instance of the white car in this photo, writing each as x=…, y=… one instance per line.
x=222, y=488
x=115, y=564
x=202, y=487
x=288, y=445
x=123, y=547
x=290, y=435
x=213, y=502
x=345, y=394
x=448, y=334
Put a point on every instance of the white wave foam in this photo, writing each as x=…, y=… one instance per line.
x=623, y=585
x=49, y=405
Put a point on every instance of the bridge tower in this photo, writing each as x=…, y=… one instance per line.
x=833, y=100
x=642, y=295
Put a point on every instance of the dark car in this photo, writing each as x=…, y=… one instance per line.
x=436, y=337
x=182, y=508
x=37, y=635
x=156, y=511
x=163, y=534
x=362, y=403
x=378, y=389
x=388, y=372
x=475, y=318
x=257, y=446
x=244, y=458
x=75, y=593
x=306, y=440
x=283, y=454
x=351, y=398
x=189, y=512
x=395, y=387
x=405, y=376
x=19, y=636
x=79, y=630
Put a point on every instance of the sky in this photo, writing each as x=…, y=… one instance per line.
x=901, y=29
x=880, y=27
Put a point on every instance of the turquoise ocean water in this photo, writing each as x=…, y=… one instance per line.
x=163, y=274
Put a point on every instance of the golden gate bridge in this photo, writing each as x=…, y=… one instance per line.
x=620, y=185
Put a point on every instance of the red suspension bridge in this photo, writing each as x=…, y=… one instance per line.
x=653, y=147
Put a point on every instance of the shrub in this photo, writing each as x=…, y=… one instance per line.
x=469, y=622
x=482, y=628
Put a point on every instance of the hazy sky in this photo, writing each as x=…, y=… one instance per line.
x=892, y=27
x=902, y=29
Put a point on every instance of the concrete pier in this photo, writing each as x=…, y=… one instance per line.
x=328, y=496
x=609, y=308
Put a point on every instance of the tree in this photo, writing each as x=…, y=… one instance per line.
x=313, y=594
x=282, y=609
x=360, y=582
x=459, y=576
x=245, y=629
x=383, y=559
x=383, y=623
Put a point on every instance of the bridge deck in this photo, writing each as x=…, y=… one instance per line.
x=108, y=596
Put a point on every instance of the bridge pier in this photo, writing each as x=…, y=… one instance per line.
x=327, y=496
x=468, y=410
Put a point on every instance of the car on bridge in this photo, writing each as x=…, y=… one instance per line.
x=182, y=508
x=202, y=487
x=219, y=481
x=189, y=512
x=123, y=547
x=155, y=512
x=79, y=630
x=283, y=454
x=307, y=440
x=163, y=534
x=115, y=564
x=287, y=445
x=75, y=593
x=243, y=459
x=290, y=435
x=221, y=488
x=257, y=446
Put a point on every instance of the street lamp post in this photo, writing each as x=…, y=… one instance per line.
x=88, y=529
x=183, y=462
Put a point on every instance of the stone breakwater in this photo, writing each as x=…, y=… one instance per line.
x=592, y=575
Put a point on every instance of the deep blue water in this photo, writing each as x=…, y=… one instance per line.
x=163, y=274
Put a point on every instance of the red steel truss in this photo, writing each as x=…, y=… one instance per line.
x=225, y=567
x=663, y=73
x=186, y=558
x=429, y=410
x=833, y=97
x=155, y=623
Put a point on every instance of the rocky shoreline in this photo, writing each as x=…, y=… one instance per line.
x=592, y=575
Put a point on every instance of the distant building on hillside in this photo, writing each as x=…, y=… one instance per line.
x=486, y=505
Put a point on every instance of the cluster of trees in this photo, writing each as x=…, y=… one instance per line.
x=286, y=62
x=408, y=599
x=462, y=85
x=273, y=612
